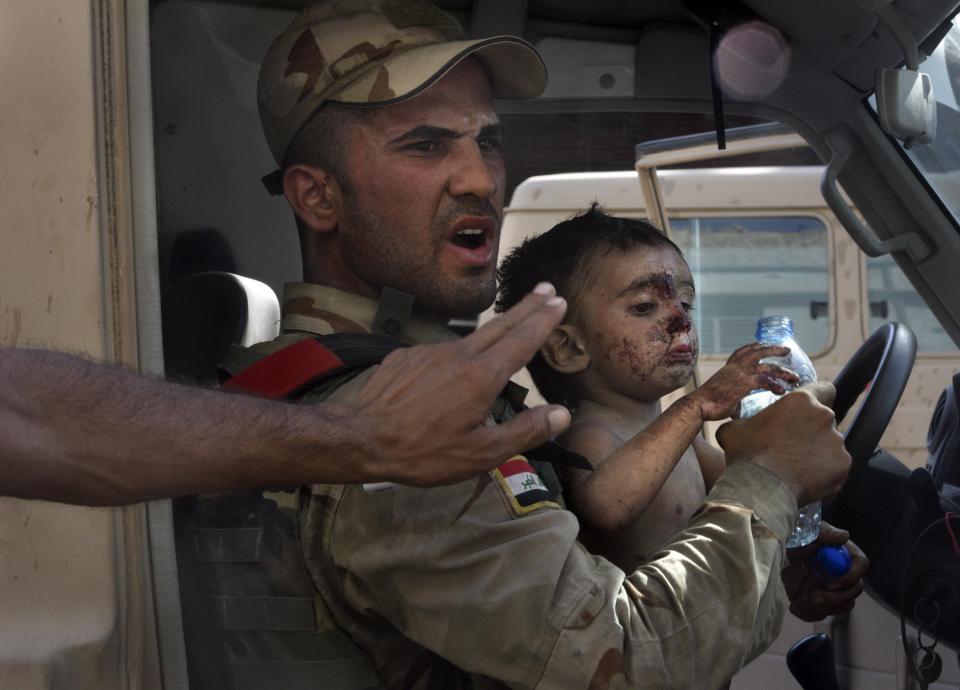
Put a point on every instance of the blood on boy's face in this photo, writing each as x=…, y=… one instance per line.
x=635, y=318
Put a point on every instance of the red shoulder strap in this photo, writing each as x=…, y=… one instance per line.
x=281, y=373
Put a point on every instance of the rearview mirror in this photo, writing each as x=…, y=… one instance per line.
x=906, y=105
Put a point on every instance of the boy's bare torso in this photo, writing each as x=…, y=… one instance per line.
x=669, y=512
x=681, y=494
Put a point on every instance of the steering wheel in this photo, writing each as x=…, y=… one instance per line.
x=881, y=366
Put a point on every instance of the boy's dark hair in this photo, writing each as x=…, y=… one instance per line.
x=562, y=256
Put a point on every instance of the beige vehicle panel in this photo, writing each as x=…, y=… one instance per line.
x=74, y=593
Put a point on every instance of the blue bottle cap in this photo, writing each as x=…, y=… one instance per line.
x=832, y=562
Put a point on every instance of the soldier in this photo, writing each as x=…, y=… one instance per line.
x=380, y=115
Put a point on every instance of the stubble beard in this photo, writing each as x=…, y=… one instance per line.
x=380, y=256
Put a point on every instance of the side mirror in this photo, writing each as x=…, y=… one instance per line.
x=906, y=105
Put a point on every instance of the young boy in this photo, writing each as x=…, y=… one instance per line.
x=627, y=340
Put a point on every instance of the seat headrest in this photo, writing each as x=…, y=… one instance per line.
x=205, y=313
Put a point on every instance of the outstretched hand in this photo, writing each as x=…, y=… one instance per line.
x=719, y=396
x=812, y=599
x=422, y=413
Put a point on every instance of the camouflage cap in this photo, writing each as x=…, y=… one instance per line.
x=376, y=52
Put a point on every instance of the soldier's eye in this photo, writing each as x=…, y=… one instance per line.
x=490, y=144
x=425, y=146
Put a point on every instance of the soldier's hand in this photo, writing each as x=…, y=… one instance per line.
x=796, y=439
x=812, y=599
x=421, y=414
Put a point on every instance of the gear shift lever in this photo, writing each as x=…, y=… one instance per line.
x=811, y=662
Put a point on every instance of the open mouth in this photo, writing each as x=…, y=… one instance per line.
x=469, y=238
x=472, y=240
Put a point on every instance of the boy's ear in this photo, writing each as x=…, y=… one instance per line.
x=564, y=350
x=313, y=194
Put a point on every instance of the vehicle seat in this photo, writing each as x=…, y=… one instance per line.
x=205, y=313
x=943, y=440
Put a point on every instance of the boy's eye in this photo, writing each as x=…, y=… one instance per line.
x=642, y=308
x=687, y=306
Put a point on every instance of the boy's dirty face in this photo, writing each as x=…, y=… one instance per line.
x=635, y=319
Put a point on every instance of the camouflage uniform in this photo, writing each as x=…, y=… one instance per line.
x=474, y=585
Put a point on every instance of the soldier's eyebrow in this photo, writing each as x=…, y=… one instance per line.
x=494, y=130
x=434, y=132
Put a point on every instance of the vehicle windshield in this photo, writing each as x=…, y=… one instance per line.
x=938, y=162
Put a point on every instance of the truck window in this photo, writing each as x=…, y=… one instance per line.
x=893, y=298
x=747, y=267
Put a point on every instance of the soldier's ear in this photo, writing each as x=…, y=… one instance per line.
x=314, y=195
x=564, y=350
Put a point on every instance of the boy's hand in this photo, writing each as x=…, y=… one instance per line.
x=719, y=396
x=812, y=599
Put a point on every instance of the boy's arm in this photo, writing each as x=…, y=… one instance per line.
x=628, y=476
x=712, y=461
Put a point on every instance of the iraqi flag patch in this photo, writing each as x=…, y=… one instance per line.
x=523, y=486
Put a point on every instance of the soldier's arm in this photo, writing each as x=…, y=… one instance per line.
x=78, y=432
x=516, y=598
x=510, y=594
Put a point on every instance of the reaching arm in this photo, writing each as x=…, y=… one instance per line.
x=78, y=432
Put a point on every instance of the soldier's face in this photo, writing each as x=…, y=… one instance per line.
x=423, y=199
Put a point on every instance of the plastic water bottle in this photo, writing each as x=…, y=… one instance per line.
x=778, y=330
